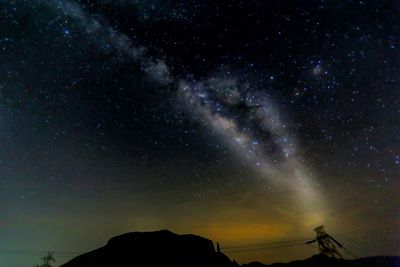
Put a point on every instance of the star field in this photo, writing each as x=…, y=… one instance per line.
x=243, y=121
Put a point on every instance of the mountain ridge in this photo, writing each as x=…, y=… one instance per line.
x=165, y=248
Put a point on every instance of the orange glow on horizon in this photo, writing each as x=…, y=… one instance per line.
x=242, y=233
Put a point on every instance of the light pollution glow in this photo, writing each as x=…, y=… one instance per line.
x=283, y=168
x=289, y=172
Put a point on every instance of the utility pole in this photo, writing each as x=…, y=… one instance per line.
x=326, y=243
x=47, y=260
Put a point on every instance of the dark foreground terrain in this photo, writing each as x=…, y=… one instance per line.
x=163, y=248
x=323, y=261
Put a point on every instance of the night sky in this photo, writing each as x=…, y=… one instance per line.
x=242, y=121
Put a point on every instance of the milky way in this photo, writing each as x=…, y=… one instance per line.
x=244, y=117
x=242, y=121
x=252, y=125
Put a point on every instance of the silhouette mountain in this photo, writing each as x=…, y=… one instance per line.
x=154, y=249
x=164, y=248
x=324, y=261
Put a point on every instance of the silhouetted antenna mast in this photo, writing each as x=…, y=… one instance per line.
x=326, y=243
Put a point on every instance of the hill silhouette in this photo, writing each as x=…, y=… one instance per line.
x=154, y=249
x=324, y=261
x=164, y=248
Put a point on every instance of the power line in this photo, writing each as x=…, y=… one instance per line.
x=264, y=248
x=229, y=249
x=259, y=246
x=350, y=253
x=37, y=253
x=267, y=244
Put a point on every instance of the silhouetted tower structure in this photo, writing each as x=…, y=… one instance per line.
x=47, y=260
x=326, y=243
